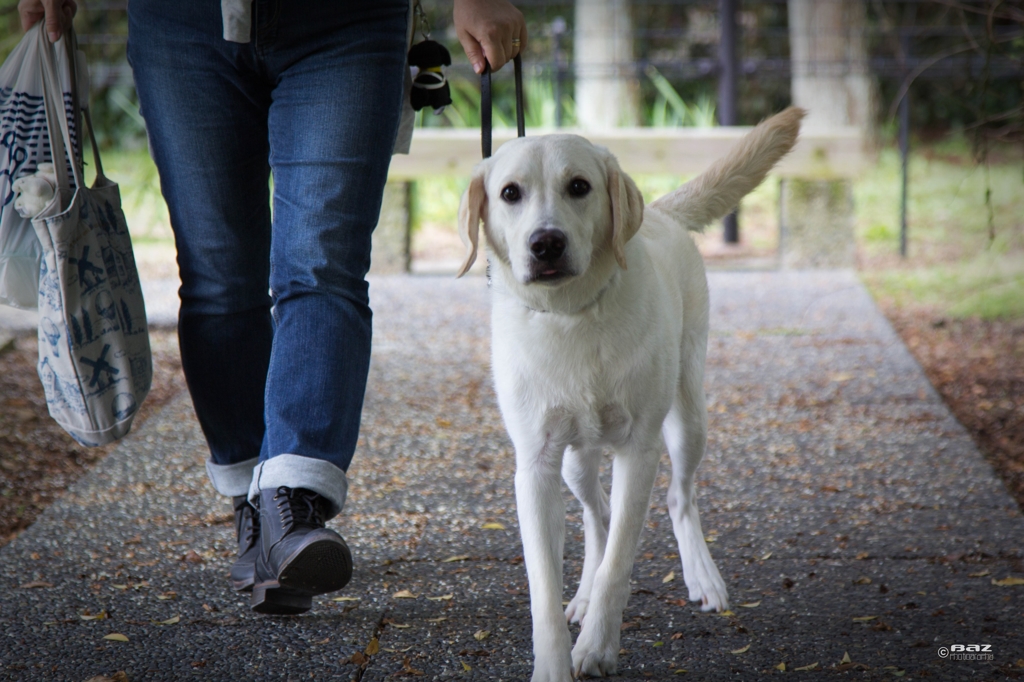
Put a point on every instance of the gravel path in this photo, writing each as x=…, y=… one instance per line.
x=857, y=526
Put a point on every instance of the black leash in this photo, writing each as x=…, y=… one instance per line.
x=485, y=104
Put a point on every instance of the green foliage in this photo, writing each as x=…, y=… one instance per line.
x=987, y=285
x=669, y=110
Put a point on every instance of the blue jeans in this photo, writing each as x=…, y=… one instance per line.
x=275, y=322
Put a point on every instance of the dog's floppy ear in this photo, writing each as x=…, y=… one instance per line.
x=627, y=208
x=471, y=210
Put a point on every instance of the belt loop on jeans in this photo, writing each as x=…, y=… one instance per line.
x=485, y=104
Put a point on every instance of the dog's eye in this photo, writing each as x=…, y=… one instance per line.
x=510, y=194
x=579, y=187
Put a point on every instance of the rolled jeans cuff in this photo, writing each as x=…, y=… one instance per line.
x=296, y=471
x=231, y=479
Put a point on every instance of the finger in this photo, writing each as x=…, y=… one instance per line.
x=54, y=20
x=474, y=51
x=522, y=38
x=495, y=52
x=31, y=11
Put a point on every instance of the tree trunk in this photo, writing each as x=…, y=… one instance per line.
x=607, y=91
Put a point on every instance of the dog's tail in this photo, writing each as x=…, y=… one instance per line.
x=719, y=189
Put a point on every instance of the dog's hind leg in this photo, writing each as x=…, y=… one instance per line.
x=597, y=648
x=581, y=471
x=685, y=433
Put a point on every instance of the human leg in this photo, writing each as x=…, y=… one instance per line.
x=205, y=104
x=338, y=84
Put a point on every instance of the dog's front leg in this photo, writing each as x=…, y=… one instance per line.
x=597, y=647
x=581, y=471
x=542, y=526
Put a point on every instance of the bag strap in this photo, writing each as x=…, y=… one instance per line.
x=61, y=148
x=485, y=104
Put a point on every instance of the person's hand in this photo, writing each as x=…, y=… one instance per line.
x=491, y=29
x=58, y=15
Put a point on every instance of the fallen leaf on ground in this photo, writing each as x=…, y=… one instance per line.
x=171, y=621
x=812, y=666
x=408, y=669
x=35, y=584
x=400, y=626
x=741, y=651
x=373, y=647
x=345, y=599
x=403, y=594
x=727, y=612
x=979, y=574
x=481, y=635
x=465, y=666
x=862, y=556
x=95, y=616
x=443, y=597
x=116, y=637
x=358, y=658
x=1008, y=581
x=751, y=604
x=781, y=666
x=863, y=580
x=120, y=587
x=680, y=671
x=861, y=619
x=493, y=525
x=846, y=658
x=678, y=635
x=678, y=602
x=766, y=556
x=841, y=377
x=669, y=577
x=437, y=620
x=457, y=557
x=167, y=595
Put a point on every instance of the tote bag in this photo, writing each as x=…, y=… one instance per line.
x=94, y=355
x=23, y=148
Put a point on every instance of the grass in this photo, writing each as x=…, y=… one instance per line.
x=959, y=263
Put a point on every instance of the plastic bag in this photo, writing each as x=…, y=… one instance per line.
x=23, y=147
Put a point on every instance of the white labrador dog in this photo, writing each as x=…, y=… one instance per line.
x=591, y=354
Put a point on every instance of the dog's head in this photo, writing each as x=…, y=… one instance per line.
x=552, y=206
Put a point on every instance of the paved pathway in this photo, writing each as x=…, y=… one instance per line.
x=857, y=526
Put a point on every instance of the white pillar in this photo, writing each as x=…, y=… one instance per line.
x=607, y=92
x=829, y=63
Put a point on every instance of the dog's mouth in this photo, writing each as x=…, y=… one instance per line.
x=548, y=274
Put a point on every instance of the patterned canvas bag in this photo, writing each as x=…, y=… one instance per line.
x=94, y=356
x=22, y=149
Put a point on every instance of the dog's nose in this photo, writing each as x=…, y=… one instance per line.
x=547, y=245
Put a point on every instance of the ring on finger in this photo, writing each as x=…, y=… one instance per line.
x=515, y=42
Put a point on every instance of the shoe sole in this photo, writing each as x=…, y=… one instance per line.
x=243, y=585
x=320, y=567
x=272, y=599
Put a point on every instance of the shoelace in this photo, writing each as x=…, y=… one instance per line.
x=298, y=508
x=252, y=531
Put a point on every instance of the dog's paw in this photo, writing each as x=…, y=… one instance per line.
x=706, y=585
x=576, y=609
x=594, y=663
x=595, y=658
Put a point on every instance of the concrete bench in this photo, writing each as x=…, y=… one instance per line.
x=816, y=205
